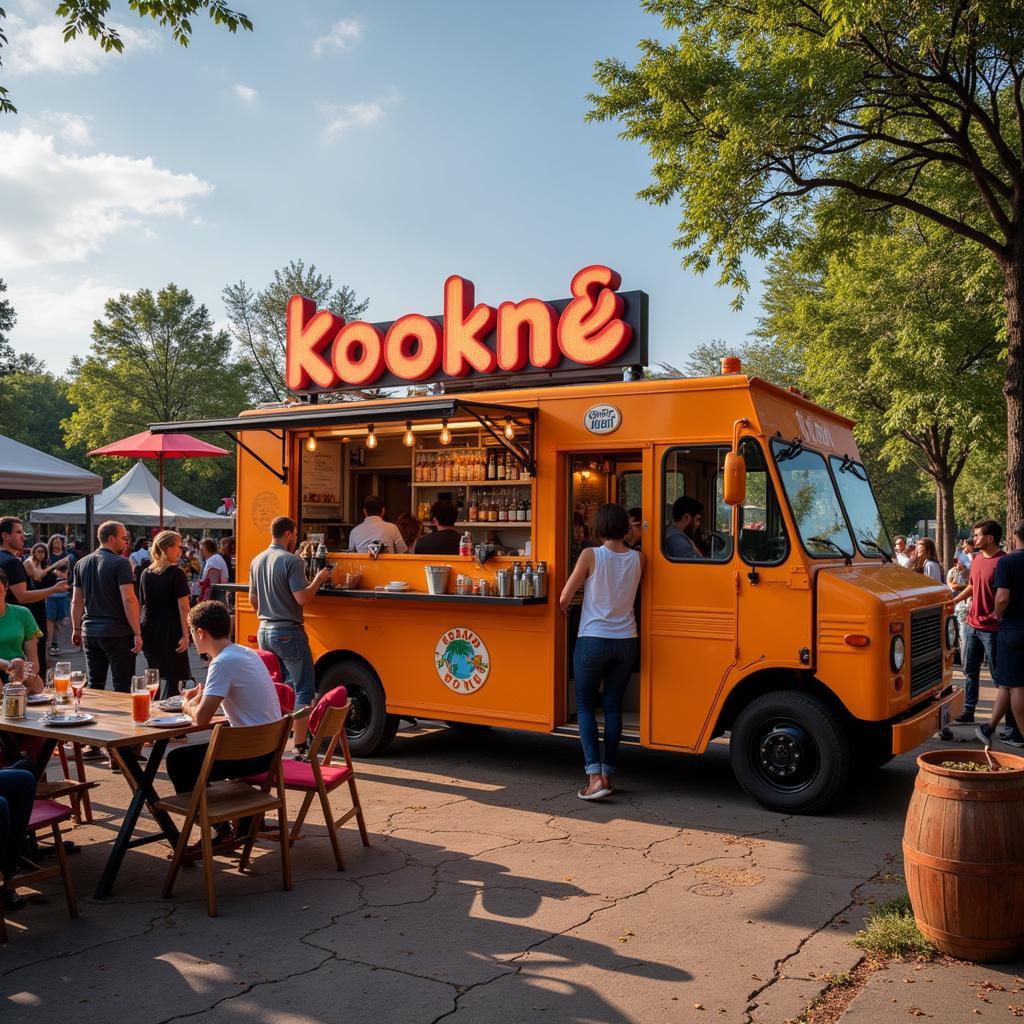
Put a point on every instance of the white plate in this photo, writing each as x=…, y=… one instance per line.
x=80, y=719
x=397, y=586
x=39, y=698
x=168, y=721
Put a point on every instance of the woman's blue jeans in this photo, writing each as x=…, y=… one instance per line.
x=597, y=661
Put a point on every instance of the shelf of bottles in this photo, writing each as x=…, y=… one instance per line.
x=488, y=486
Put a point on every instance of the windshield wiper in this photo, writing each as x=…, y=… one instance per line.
x=849, y=466
x=791, y=451
x=828, y=542
x=877, y=547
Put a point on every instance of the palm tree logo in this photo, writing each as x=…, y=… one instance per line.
x=463, y=658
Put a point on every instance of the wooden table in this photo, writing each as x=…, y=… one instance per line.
x=113, y=730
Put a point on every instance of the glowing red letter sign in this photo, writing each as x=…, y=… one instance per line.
x=324, y=353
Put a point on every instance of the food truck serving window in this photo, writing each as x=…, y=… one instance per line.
x=762, y=536
x=813, y=500
x=861, y=507
x=697, y=523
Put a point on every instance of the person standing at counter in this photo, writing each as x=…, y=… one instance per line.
x=373, y=527
x=278, y=592
x=607, y=644
x=445, y=539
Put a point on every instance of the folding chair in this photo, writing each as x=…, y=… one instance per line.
x=315, y=779
x=49, y=814
x=76, y=790
x=211, y=803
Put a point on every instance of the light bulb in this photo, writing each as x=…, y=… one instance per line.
x=408, y=438
x=371, y=437
x=446, y=435
x=311, y=443
x=510, y=430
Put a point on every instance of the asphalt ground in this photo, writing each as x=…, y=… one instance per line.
x=491, y=894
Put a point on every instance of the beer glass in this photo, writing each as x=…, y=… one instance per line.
x=140, y=700
x=62, y=680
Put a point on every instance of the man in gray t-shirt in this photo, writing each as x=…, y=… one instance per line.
x=278, y=592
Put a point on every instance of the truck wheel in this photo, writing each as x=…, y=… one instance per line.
x=789, y=752
x=369, y=727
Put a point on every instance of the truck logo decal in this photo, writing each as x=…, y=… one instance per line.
x=461, y=660
x=602, y=419
x=814, y=430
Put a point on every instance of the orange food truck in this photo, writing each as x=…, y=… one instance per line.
x=794, y=633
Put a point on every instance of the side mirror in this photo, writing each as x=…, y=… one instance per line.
x=734, y=479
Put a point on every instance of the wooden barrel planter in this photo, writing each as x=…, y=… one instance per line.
x=963, y=855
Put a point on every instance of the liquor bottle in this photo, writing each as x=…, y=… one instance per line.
x=474, y=507
x=466, y=544
x=501, y=466
x=460, y=506
x=521, y=511
x=492, y=468
x=513, y=468
x=528, y=511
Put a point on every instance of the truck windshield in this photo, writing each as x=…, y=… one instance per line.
x=861, y=507
x=813, y=500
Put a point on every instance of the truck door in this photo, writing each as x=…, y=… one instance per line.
x=775, y=608
x=692, y=630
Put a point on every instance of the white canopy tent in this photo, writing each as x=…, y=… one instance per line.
x=134, y=500
x=28, y=473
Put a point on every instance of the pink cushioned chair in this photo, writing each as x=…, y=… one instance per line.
x=327, y=725
x=285, y=694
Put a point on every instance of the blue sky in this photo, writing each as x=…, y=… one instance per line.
x=390, y=143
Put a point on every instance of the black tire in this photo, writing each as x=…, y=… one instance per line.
x=789, y=751
x=369, y=727
x=873, y=746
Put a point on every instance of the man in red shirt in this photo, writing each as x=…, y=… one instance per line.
x=982, y=622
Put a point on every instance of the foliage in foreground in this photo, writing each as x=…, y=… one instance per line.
x=890, y=930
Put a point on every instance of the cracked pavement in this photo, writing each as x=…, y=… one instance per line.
x=489, y=893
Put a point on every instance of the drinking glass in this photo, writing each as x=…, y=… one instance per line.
x=140, y=700
x=48, y=687
x=77, y=686
x=153, y=682
x=62, y=680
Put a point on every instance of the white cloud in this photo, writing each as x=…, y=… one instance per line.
x=245, y=93
x=340, y=38
x=340, y=117
x=59, y=207
x=198, y=221
x=72, y=128
x=55, y=320
x=41, y=47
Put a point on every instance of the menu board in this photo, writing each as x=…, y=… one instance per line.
x=321, y=478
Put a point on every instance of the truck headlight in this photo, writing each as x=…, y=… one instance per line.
x=897, y=653
x=950, y=633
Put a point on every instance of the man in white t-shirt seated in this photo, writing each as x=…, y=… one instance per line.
x=374, y=528
x=238, y=685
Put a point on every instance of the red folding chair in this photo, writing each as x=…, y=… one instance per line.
x=285, y=694
x=315, y=779
x=49, y=814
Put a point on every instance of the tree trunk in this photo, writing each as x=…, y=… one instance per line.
x=1013, y=388
x=945, y=523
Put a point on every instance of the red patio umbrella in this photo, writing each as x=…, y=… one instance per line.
x=147, y=445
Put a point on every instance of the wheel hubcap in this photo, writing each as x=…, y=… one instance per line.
x=785, y=756
x=359, y=714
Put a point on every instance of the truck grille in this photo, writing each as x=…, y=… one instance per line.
x=925, y=650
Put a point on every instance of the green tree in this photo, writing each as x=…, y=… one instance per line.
x=156, y=358
x=89, y=17
x=901, y=334
x=258, y=319
x=759, y=105
x=778, y=364
x=8, y=318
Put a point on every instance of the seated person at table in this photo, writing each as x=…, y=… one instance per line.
x=237, y=685
x=445, y=538
x=681, y=536
x=17, y=794
x=18, y=639
x=373, y=528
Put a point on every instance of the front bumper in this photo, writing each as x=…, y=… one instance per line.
x=933, y=717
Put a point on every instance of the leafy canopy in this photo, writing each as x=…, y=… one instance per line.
x=756, y=104
x=89, y=17
x=258, y=319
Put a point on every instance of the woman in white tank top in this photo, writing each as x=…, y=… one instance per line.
x=607, y=644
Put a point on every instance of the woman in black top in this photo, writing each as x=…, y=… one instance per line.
x=163, y=593
x=40, y=576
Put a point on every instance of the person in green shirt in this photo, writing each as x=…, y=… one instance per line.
x=18, y=636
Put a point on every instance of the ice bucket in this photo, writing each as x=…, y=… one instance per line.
x=437, y=578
